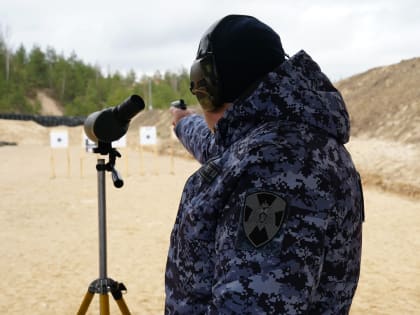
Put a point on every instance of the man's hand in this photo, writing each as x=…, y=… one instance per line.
x=178, y=114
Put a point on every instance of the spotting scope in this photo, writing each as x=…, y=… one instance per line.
x=112, y=123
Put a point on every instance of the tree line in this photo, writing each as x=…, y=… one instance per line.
x=79, y=87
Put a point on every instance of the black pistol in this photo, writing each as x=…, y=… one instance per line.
x=179, y=104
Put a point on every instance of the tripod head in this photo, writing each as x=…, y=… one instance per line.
x=105, y=148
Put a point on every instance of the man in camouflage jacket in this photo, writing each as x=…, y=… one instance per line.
x=272, y=221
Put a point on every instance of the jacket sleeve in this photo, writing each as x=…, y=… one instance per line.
x=279, y=277
x=194, y=134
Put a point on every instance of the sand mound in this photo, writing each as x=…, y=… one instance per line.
x=49, y=106
x=390, y=165
x=23, y=132
x=384, y=102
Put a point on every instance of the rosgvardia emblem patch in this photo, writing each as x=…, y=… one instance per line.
x=263, y=215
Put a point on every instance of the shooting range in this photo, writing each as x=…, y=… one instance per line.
x=49, y=227
x=60, y=61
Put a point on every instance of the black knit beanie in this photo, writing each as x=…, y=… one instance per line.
x=245, y=49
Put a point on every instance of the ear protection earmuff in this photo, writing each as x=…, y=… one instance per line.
x=204, y=83
x=204, y=80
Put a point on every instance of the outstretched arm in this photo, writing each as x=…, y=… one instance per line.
x=194, y=134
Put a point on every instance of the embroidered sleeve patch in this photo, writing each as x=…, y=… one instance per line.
x=262, y=217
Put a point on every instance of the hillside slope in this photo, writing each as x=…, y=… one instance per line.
x=384, y=102
x=49, y=106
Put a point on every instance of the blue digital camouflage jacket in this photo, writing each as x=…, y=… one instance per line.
x=272, y=221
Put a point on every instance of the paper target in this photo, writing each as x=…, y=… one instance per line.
x=59, y=139
x=148, y=135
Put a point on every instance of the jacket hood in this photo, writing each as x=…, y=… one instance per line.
x=297, y=91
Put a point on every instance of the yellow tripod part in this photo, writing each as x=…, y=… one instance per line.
x=123, y=307
x=104, y=304
x=85, y=304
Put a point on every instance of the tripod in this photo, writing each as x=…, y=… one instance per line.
x=104, y=285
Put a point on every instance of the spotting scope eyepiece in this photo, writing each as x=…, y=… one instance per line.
x=112, y=123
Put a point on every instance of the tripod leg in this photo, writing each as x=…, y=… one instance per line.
x=85, y=303
x=104, y=304
x=123, y=306
x=116, y=291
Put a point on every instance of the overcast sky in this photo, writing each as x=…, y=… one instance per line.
x=345, y=37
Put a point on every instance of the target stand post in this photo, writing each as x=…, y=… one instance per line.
x=104, y=285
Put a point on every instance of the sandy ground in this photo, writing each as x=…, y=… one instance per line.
x=49, y=231
x=48, y=105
